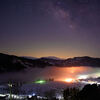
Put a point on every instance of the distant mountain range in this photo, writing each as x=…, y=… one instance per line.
x=9, y=63
x=49, y=57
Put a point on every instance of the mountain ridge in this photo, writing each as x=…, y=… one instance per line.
x=15, y=63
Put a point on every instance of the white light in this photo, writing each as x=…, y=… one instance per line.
x=33, y=94
x=59, y=97
x=2, y=95
x=29, y=96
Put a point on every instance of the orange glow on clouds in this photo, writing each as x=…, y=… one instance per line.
x=64, y=74
x=71, y=74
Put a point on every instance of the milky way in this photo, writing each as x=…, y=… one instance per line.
x=62, y=28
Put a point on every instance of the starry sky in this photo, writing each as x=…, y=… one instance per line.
x=62, y=28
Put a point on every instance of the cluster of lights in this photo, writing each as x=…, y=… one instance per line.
x=69, y=80
x=83, y=77
x=90, y=82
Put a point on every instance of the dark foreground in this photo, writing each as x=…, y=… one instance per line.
x=88, y=92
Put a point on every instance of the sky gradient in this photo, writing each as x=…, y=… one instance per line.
x=62, y=28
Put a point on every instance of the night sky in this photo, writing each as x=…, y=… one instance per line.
x=62, y=28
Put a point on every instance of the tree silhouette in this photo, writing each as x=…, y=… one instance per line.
x=71, y=94
x=90, y=92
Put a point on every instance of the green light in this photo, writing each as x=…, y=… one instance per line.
x=40, y=82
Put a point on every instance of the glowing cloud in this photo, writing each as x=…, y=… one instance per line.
x=83, y=77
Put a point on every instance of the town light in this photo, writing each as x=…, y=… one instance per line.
x=40, y=82
x=69, y=80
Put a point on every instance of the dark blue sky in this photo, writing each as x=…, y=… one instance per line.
x=62, y=28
